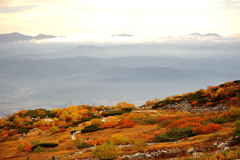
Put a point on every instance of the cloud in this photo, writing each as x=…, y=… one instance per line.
x=234, y=37
x=122, y=35
x=16, y=9
x=121, y=39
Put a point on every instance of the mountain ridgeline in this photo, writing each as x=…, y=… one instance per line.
x=60, y=82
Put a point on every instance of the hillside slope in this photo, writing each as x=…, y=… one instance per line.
x=170, y=131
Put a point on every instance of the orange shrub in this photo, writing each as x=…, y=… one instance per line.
x=210, y=103
x=149, y=135
x=160, y=119
x=24, y=146
x=195, y=119
x=126, y=123
x=194, y=124
x=94, y=142
x=209, y=128
x=177, y=123
x=108, y=125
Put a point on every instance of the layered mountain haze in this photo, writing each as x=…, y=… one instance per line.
x=195, y=45
x=55, y=75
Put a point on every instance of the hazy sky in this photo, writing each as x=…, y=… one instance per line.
x=108, y=17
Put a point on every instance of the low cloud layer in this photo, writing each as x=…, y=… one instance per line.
x=131, y=39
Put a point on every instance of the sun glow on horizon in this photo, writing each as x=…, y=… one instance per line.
x=107, y=17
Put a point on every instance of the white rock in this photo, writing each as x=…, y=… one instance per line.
x=226, y=148
x=222, y=145
x=197, y=154
x=191, y=150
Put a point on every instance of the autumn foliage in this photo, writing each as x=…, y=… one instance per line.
x=161, y=126
x=214, y=95
x=126, y=123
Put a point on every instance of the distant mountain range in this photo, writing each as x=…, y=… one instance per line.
x=11, y=37
x=53, y=75
x=196, y=45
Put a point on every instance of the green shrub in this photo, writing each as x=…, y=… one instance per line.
x=139, y=145
x=91, y=128
x=165, y=123
x=24, y=130
x=155, y=106
x=237, y=124
x=53, y=149
x=35, y=142
x=11, y=119
x=34, y=113
x=219, y=120
x=202, y=101
x=236, y=136
x=113, y=113
x=106, y=151
x=236, y=81
x=45, y=145
x=87, y=119
x=128, y=109
x=39, y=149
x=80, y=144
x=174, y=134
x=149, y=120
x=73, y=125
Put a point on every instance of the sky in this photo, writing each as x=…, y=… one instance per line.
x=110, y=17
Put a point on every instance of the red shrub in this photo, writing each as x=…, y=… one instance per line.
x=194, y=102
x=222, y=101
x=85, y=116
x=211, y=127
x=44, y=128
x=58, y=114
x=160, y=119
x=209, y=103
x=62, y=130
x=94, y=142
x=69, y=123
x=193, y=124
x=5, y=128
x=177, y=123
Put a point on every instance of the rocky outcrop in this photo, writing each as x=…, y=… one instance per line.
x=195, y=152
x=186, y=106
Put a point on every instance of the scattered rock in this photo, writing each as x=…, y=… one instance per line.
x=164, y=153
x=222, y=145
x=226, y=148
x=191, y=150
x=197, y=154
x=215, y=144
x=186, y=106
